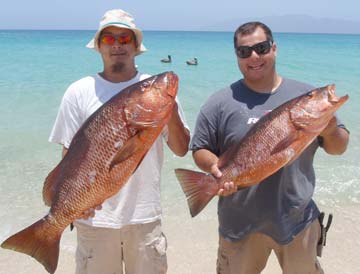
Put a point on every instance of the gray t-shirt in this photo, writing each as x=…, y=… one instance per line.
x=281, y=206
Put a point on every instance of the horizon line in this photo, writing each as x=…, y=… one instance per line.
x=174, y=30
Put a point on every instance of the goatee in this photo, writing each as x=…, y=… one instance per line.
x=119, y=67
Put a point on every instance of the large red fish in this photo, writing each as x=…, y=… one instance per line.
x=103, y=154
x=277, y=139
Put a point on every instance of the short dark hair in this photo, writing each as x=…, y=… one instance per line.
x=249, y=28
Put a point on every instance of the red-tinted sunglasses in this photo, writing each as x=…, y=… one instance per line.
x=109, y=39
x=260, y=48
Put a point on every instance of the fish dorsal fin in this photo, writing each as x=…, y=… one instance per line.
x=285, y=143
x=132, y=146
x=50, y=185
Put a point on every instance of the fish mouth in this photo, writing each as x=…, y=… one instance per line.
x=172, y=82
x=333, y=99
x=331, y=94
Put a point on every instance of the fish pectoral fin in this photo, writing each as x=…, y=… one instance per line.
x=114, y=174
x=139, y=162
x=132, y=146
x=50, y=185
x=284, y=143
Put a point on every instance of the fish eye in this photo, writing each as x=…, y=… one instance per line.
x=310, y=93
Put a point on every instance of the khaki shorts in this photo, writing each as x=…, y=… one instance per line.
x=135, y=249
x=249, y=256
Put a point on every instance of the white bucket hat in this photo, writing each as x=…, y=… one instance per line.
x=121, y=19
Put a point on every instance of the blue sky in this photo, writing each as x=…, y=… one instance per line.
x=165, y=14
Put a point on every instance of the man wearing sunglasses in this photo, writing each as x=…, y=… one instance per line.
x=278, y=215
x=125, y=232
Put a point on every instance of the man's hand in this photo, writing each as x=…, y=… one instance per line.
x=335, y=139
x=228, y=187
x=90, y=212
x=330, y=128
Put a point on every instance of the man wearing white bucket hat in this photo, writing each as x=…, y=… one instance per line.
x=119, y=19
x=124, y=233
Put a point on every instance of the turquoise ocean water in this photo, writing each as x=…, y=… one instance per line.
x=37, y=66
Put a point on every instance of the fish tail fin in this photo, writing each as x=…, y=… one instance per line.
x=40, y=240
x=198, y=187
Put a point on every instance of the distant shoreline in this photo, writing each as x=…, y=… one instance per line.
x=192, y=31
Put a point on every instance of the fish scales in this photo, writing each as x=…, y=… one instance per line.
x=263, y=140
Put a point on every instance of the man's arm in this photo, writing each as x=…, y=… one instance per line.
x=207, y=161
x=334, y=138
x=179, y=136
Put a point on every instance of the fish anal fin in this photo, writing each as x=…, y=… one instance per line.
x=50, y=185
x=285, y=143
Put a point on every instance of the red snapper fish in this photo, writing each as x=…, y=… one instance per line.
x=276, y=140
x=102, y=156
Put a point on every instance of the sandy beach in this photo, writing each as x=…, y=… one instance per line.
x=192, y=246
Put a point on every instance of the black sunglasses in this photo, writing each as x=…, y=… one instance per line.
x=260, y=48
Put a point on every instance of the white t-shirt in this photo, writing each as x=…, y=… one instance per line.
x=138, y=201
